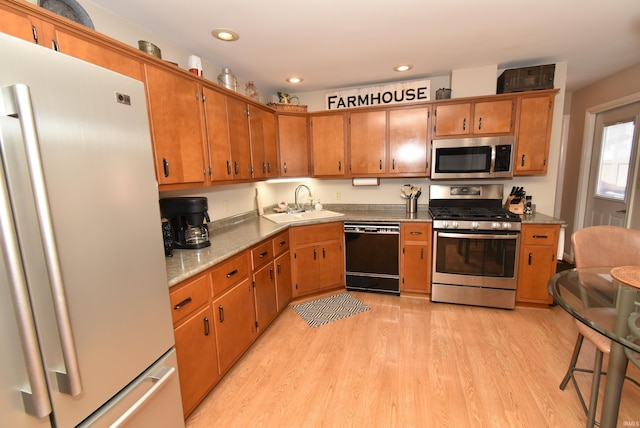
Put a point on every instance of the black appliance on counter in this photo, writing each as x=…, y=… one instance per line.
x=188, y=217
x=475, y=246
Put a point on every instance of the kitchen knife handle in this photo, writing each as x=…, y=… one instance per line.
x=37, y=400
x=221, y=313
x=165, y=167
x=69, y=382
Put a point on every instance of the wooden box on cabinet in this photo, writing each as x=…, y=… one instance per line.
x=537, y=263
x=195, y=341
x=415, y=258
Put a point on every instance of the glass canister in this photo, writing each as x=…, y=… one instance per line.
x=251, y=91
x=228, y=80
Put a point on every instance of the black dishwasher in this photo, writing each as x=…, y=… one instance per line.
x=373, y=256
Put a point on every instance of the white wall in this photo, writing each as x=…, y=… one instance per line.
x=229, y=200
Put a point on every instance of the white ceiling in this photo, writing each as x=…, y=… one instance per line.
x=342, y=43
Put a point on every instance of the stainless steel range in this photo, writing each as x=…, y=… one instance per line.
x=475, y=246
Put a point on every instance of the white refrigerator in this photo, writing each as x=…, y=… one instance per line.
x=85, y=322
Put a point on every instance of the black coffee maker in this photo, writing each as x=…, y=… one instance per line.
x=187, y=216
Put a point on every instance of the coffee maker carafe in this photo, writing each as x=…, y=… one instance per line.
x=187, y=216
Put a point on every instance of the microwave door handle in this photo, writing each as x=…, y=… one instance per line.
x=20, y=99
x=476, y=236
x=492, y=168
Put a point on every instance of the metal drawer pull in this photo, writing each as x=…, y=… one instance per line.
x=479, y=123
x=522, y=163
x=207, y=328
x=421, y=253
x=165, y=166
x=182, y=304
x=221, y=312
x=271, y=274
x=284, y=167
x=236, y=167
x=282, y=243
x=263, y=254
x=540, y=236
x=233, y=272
x=530, y=258
x=415, y=233
x=279, y=269
x=464, y=124
x=228, y=168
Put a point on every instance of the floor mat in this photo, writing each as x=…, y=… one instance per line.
x=323, y=311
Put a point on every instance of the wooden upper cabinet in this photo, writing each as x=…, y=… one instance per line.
x=533, y=134
x=220, y=161
x=84, y=48
x=20, y=24
x=293, y=145
x=367, y=142
x=409, y=141
x=475, y=118
x=262, y=126
x=328, y=142
x=237, y=115
x=176, y=129
x=453, y=119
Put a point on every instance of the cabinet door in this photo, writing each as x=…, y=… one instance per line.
x=533, y=136
x=367, y=142
x=80, y=47
x=537, y=265
x=453, y=119
x=264, y=287
x=409, y=141
x=331, y=264
x=197, y=358
x=306, y=270
x=237, y=112
x=174, y=111
x=22, y=25
x=415, y=259
x=263, y=142
x=283, y=280
x=328, y=139
x=235, y=323
x=493, y=117
x=293, y=145
x=220, y=162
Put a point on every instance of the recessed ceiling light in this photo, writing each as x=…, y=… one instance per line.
x=294, y=79
x=404, y=67
x=225, y=34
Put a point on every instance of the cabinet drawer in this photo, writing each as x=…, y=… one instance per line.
x=540, y=235
x=188, y=297
x=229, y=272
x=261, y=254
x=318, y=233
x=280, y=244
x=416, y=232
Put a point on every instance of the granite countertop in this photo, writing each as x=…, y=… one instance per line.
x=233, y=235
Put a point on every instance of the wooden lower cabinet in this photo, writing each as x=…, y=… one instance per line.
x=283, y=280
x=537, y=263
x=415, y=258
x=235, y=323
x=317, y=258
x=264, y=287
x=195, y=341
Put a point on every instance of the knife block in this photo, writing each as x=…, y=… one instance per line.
x=517, y=208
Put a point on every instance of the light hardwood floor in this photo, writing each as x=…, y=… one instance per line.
x=410, y=363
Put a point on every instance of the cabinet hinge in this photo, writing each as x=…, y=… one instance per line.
x=254, y=284
x=247, y=112
x=204, y=97
x=257, y=324
x=544, y=162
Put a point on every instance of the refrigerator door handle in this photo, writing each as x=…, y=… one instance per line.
x=36, y=402
x=17, y=103
x=159, y=379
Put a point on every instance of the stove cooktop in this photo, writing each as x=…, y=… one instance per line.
x=472, y=213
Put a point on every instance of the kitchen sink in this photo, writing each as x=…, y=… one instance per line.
x=301, y=216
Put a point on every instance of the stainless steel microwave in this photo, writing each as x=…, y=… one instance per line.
x=484, y=157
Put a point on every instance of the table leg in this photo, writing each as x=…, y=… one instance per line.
x=617, y=367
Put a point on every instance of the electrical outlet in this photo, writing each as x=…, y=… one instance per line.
x=225, y=206
x=338, y=196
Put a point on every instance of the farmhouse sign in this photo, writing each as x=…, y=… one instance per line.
x=396, y=93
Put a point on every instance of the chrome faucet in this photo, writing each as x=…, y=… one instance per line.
x=297, y=207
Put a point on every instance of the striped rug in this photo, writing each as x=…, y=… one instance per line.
x=323, y=311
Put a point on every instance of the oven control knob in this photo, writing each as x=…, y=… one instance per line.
x=506, y=225
x=454, y=224
x=475, y=225
x=496, y=225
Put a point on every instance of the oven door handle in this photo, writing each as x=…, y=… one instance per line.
x=477, y=235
